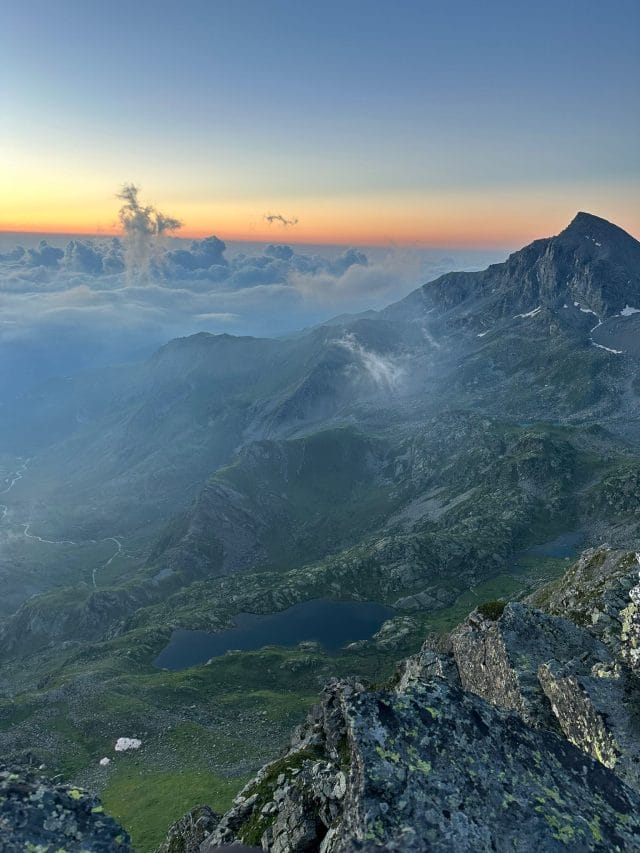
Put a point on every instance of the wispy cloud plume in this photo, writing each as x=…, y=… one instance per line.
x=273, y=218
x=144, y=226
x=385, y=371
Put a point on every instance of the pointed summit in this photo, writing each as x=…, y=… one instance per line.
x=587, y=226
x=585, y=219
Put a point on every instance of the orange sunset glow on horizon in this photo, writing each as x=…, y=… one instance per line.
x=444, y=220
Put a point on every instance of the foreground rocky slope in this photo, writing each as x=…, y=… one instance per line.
x=38, y=815
x=519, y=731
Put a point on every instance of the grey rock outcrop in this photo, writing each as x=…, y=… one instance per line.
x=426, y=665
x=555, y=675
x=601, y=592
x=499, y=659
x=599, y=709
x=39, y=815
x=520, y=731
x=432, y=769
x=594, y=714
x=187, y=834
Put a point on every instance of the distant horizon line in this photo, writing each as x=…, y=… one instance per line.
x=387, y=243
x=509, y=241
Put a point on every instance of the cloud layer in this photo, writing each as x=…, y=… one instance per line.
x=89, y=301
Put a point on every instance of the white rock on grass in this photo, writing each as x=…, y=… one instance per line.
x=125, y=743
x=628, y=311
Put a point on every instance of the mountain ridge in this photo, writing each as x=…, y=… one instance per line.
x=571, y=265
x=424, y=457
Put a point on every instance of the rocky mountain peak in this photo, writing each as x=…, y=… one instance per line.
x=595, y=263
x=589, y=226
x=592, y=264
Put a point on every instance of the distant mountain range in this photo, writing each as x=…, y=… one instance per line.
x=407, y=456
x=551, y=335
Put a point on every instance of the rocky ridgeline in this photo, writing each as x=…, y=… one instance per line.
x=520, y=731
x=592, y=262
x=39, y=816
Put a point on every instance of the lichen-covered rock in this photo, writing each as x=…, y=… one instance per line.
x=286, y=808
x=187, y=834
x=598, y=712
x=499, y=659
x=292, y=802
x=234, y=820
x=437, y=769
x=630, y=629
x=521, y=731
x=601, y=592
x=40, y=816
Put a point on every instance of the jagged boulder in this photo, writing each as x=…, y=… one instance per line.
x=426, y=665
x=291, y=802
x=499, y=659
x=599, y=710
x=556, y=675
x=38, y=815
x=598, y=713
x=187, y=834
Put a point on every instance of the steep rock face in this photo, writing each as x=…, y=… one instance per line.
x=555, y=675
x=433, y=769
x=38, y=815
x=499, y=660
x=592, y=262
x=597, y=713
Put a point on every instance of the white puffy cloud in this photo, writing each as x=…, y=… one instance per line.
x=84, y=256
x=44, y=256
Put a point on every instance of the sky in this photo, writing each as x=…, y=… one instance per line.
x=412, y=123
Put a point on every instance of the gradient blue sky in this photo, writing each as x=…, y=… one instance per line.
x=461, y=123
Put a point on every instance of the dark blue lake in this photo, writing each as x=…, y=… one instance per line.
x=333, y=624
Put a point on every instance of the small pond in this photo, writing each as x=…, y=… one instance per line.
x=333, y=624
x=565, y=545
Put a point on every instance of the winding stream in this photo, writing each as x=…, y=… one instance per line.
x=12, y=479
